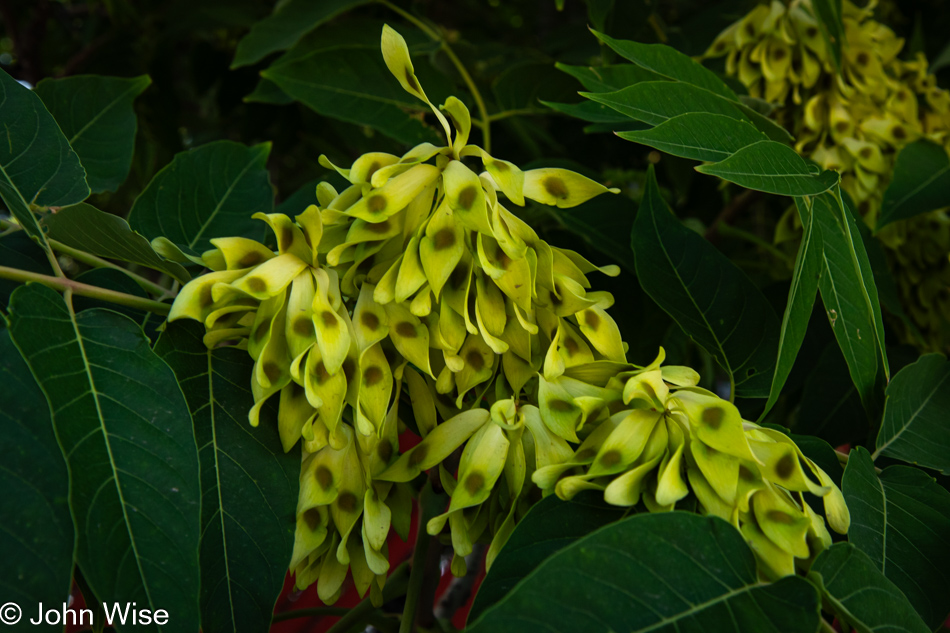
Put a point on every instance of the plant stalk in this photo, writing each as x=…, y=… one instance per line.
x=71, y=287
x=98, y=262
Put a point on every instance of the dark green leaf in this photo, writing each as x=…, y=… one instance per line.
x=207, y=192
x=608, y=78
x=660, y=572
x=95, y=113
x=668, y=62
x=706, y=294
x=801, y=301
x=87, y=228
x=342, y=75
x=850, y=298
x=915, y=428
x=113, y=279
x=550, y=526
x=828, y=13
x=901, y=520
x=921, y=183
x=282, y=29
x=125, y=428
x=267, y=91
x=860, y=594
x=525, y=85
x=830, y=407
x=774, y=168
x=654, y=102
x=699, y=136
x=37, y=165
x=248, y=484
x=18, y=250
x=590, y=111
x=37, y=538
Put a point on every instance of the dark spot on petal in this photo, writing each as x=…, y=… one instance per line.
x=865, y=153
x=556, y=187
x=418, y=455
x=610, y=458
x=328, y=318
x=467, y=197
x=324, y=477
x=261, y=330
x=303, y=326
x=312, y=518
x=474, y=482
x=376, y=203
x=901, y=96
x=811, y=32
x=785, y=466
x=842, y=126
x=204, y=298
x=406, y=329
x=571, y=346
x=712, y=417
x=863, y=59
x=372, y=375
x=256, y=284
x=777, y=516
x=500, y=166
x=444, y=239
x=286, y=238
x=272, y=371
x=750, y=28
x=320, y=373
x=347, y=501
x=719, y=47
x=411, y=80
x=384, y=450
x=591, y=319
x=778, y=54
x=899, y=133
x=585, y=454
x=372, y=169
x=369, y=320
x=475, y=360
x=502, y=258
x=250, y=259
x=561, y=406
x=745, y=474
x=378, y=227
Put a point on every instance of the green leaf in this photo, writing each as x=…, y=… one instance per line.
x=901, y=520
x=207, y=192
x=590, y=111
x=801, y=301
x=774, y=168
x=524, y=85
x=830, y=407
x=828, y=13
x=851, y=302
x=37, y=538
x=860, y=594
x=290, y=21
x=342, y=75
x=87, y=228
x=95, y=113
x=18, y=250
x=267, y=91
x=706, y=294
x=608, y=78
x=921, y=183
x=37, y=165
x=668, y=62
x=699, y=136
x=914, y=428
x=550, y=526
x=248, y=484
x=660, y=572
x=125, y=428
x=655, y=102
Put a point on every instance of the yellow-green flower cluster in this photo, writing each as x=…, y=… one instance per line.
x=855, y=122
x=415, y=282
x=655, y=437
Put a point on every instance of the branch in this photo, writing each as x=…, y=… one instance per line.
x=98, y=262
x=85, y=290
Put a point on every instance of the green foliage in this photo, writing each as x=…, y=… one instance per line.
x=131, y=469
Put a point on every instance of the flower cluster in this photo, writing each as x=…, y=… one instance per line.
x=414, y=301
x=854, y=121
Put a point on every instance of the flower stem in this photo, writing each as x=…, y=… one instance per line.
x=485, y=123
x=71, y=287
x=98, y=262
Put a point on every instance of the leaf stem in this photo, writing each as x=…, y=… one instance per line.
x=485, y=123
x=71, y=287
x=98, y=262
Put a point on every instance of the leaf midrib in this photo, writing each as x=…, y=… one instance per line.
x=101, y=113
